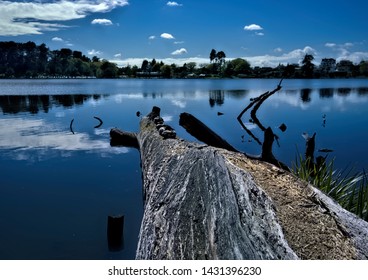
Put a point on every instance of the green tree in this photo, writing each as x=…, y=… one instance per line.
x=145, y=65
x=238, y=66
x=289, y=71
x=220, y=59
x=191, y=66
x=166, y=71
x=108, y=70
x=363, y=68
x=307, y=66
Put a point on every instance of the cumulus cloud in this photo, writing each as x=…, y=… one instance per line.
x=167, y=36
x=179, y=52
x=253, y=27
x=101, y=21
x=173, y=4
x=294, y=56
x=152, y=37
x=57, y=39
x=94, y=52
x=348, y=45
x=35, y=17
x=355, y=57
x=278, y=50
x=117, y=55
x=169, y=60
x=346, y=51
x=330, y=45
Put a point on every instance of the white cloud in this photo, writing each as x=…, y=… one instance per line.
x=259, y=33
x=180, y=103
x=174, y=4
x=330, y=45
x=152, y=37
x=94, y=53
x=179, y=42
x=101, y=21
x=57, y=39
x=253, y=27
x=35, y=17
x=179, y=52
x=348, y=45
x=169, y=60
x=344, y=52
x=278, y=50
x=167, y=36
x=294, y=56
x=117, y=55
x=355, y=57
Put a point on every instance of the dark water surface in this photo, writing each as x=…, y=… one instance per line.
x=58, y=188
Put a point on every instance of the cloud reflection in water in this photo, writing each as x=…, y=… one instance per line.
x=23, y=136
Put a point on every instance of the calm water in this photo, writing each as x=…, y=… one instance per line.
x=58, y=188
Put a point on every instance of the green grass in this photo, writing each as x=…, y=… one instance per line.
x=348, y=188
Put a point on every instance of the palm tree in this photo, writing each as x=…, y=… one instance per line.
x=213, y=55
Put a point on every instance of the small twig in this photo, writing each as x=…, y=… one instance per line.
x=71, y=126
x=101, y=122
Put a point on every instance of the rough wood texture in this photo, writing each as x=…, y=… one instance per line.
x=203, y=202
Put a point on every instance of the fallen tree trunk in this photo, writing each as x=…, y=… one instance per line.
x=203, y=202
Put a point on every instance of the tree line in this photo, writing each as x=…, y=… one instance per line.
x=28, y=60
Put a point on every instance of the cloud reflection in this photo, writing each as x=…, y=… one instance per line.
x=180, y=103
x=20, y=135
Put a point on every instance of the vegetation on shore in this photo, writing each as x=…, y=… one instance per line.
x=348, y=189
x=28, y=60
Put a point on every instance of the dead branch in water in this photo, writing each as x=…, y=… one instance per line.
x=101, y=122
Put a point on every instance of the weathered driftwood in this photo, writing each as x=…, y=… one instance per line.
x=203, y=133
x=203, y=202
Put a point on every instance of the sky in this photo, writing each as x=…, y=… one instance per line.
x=264, y=32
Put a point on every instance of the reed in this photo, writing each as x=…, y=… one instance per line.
x=348, y=188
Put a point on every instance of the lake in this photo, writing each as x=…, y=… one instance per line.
x=61, y=179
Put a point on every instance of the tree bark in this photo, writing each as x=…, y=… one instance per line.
x=202, y=203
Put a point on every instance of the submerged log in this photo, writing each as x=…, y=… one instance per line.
x=203, y=202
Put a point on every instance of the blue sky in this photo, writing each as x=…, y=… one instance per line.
x=265, y=32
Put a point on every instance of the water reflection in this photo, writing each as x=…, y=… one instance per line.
x=343, y=91
x=19, y=135
x=363, y=91
x=34, y=104
x=326, y=92
x=15, y=104
x=217, y=97
x=305, y=95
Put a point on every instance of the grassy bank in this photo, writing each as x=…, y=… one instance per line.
x=348, y=188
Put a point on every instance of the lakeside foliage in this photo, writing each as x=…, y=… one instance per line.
x=28, y=60
x=348, y=189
